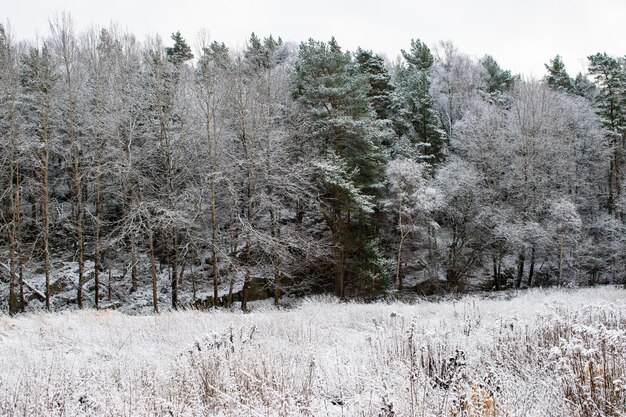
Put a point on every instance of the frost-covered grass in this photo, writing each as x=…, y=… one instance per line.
x=541, y=353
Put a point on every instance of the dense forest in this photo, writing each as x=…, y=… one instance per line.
x=205, y=176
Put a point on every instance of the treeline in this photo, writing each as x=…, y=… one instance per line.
x=307, y=167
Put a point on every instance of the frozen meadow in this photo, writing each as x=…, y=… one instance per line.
x=532, y=353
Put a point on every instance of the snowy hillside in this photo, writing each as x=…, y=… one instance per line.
x=538, y=353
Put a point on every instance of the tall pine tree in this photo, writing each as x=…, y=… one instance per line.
x=347, y=136
x=414, y=92
x=610, y=76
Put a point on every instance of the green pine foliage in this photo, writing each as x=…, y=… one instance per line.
x=497, y=82
x=180, y=52
x=347, y=137
x=381, y=88
x=583, y=86
x=413, y=83
x=557, y=76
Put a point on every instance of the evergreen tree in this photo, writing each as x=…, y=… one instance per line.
x=180, y=51
x=351, y=165
x=583, y=86
x=610, y=76
x=419, y=56
x=216, y=54
x=381, y=89
x=557, y=76
x=497, y=81
x=414, y=92
x=264, y=54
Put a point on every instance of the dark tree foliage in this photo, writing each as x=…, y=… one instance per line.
x=557, y=76
x=180, y=52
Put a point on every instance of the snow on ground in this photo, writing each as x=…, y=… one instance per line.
x=541, y=353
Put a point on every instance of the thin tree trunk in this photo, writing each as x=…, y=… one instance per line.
x=496, y=272
x=399, y=282
x=275, y=231
x=175, y=270
x=13, y=238
x=339, y=271
x=97, y=254
x=45, y=221
x=153, y=268
x=110, y=287
x=15, y=201
x=22, y=299
x=13, y=269
x=531, y=268
x=133, y=261
x=78, y=195
x=560, y=261
x=520, y=269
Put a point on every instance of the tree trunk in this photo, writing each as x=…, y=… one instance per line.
x=133, y=263
x=339, y=272
x=560, y=282
x=175, y=270
x=399, y=282
x=96, y=269
x=531, y=268
x=110, y=288
x=153, y=268
x=98, y=220
x=22, y=299
x=45, y=221
x=275, y=232
x=15, y=229
x=13, y=307
x=78, y=195
x=245, y=290
x=520, y=269
x=496, y=272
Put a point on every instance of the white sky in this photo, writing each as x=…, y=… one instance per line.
x=521, y=34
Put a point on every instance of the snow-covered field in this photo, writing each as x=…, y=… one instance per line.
x=539, y=353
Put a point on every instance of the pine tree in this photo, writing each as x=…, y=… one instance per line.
x=610, y=76
x=351, y=165
x=557, y=76
x=381, y=89
x=419, y=56
x=264, y=54
x=413, y=82
x=497, y=82
x=180, y=51
x=584, y=87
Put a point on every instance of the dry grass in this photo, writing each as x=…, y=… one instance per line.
x=542, y=353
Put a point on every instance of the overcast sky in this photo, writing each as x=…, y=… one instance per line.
x=521, y=34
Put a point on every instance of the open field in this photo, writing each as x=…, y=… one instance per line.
x=537, y=353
